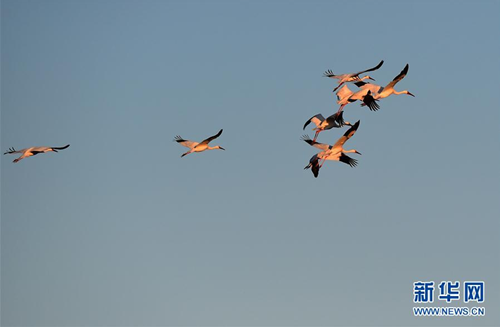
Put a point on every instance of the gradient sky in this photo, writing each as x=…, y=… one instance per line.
x=118, y=230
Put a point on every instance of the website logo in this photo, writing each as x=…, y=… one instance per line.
x=448, y=292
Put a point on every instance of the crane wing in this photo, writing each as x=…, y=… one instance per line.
x=344, y=92
x=371, y=69
x=316, y=120
x=335, y=120
x=399, y=77
x=12, y=150
x=348, y=160
x=347, y=135
x=370, y=101
x=60, y=148
x=330, y=74
x=315, y=144
x=206, y=141
x=314, y=165
x=186, y=143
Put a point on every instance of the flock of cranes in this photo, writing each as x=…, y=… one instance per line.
x=368, y=94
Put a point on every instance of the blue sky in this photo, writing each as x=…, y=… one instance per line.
x=118, y=230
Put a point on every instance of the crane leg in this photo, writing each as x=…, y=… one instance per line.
x=316, y=136
x=335, y=89
x=322, y=162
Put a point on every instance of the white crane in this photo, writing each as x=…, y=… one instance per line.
x=346, y=96
x=325, y=124
x=377, y=92
x=33, y=151
x=332, y=152
x=353, y=77
x=198, y=147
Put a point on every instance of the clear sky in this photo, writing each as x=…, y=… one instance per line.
x=118, y=230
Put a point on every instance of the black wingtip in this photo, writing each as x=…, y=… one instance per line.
x=328, y=73
x=307, y=139
x=360, y=83
x=348, y=160
x=307, y=123
x=315, y=170
x=403, y=73
x=339, y=118
x=59, y=148
x=369, y=101
x=405, y=70
x=11, y=150
x=352, y=129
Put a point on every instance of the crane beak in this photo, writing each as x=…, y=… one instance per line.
x=222, y=148
x=358, y=153
x=55, y=150
x=371, y=78
x=411, y=94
